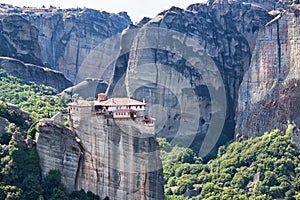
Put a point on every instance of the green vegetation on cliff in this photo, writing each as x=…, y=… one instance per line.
x=271, y=158
x=41, y=101
x=20, y=175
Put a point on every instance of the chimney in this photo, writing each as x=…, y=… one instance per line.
x=101, y=97
x=144, y=101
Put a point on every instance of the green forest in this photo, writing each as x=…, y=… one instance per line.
x=273, y=158
x=41, y=101
x=230, y=175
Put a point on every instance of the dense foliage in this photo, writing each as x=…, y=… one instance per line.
x=41, y=101
x=20, y=175
x=273, y=157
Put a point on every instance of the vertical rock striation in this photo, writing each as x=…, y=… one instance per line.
x=269, y=94
x=80, y=44
x=119, y=161
x=19, y=39
x=99, y=155
x=58, y=150
x=225, y=31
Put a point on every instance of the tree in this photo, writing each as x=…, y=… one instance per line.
x=11, y=193
x=58, y=194
x=270, y=179
x=51, y=183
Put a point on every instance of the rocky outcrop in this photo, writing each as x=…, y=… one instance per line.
x=89, y=88
x=120, y=161
x=3, y=124
x=80, y=43
x=24, y=114
x=105, y=157
x=19, y=39
x=265, y=4
x=175, y=72
x=269, y=94
x=34, y=73
x=58, y=150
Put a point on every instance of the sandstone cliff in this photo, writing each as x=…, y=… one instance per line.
x=58, y=149
x=107, y=158
x=19, y=39
x=81, y=44
x=33, y=73
x=175, y=79
x=87, y=88
x=269, y=94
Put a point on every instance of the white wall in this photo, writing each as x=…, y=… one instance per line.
x=138, y=108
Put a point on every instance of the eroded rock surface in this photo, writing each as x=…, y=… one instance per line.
x=19, y=39
x=3, y=124
x=34, y=73
x=269, y=94
x=58, y=150
x=81, y=44
x=168, y=72
x=89, y=88
x=99, y=155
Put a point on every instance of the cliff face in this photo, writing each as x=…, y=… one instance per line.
x=80, y=44
x=177, y=72
x=19, y=45
x=19, y=39
x=58, y=149
x=87, y=88
x=120, y=161
x=109, y=159
x=253, y=44
x=269, y=94
x=33, y=73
